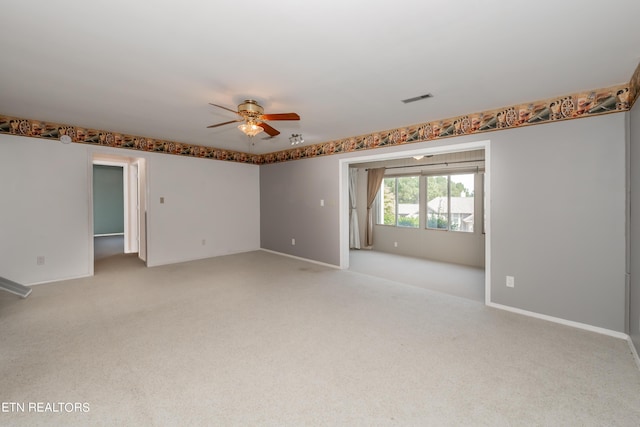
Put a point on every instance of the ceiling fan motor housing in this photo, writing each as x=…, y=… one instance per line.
x=250, y=109
x=253, y=114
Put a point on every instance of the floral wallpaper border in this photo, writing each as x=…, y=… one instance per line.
x=80, y=135
x=634, y=87
x=584, y=104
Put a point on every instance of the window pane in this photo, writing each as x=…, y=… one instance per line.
x=462, y=203
x=408, y=201
x=389, y=200
x=437, y=203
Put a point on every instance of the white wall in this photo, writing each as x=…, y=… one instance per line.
x=45, y=209
x=203, y=199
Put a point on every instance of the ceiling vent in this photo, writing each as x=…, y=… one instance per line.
x=417, y=98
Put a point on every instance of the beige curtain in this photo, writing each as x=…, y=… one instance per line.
x=374, y=180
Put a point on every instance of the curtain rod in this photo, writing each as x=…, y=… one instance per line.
x=431, y=164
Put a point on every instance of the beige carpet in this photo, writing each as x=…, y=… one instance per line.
x=459, y=280
x=259, y=339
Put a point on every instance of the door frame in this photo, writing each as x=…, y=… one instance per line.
x=134, y=210
x=344, y=202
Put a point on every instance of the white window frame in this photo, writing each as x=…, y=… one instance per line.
x=379, y=202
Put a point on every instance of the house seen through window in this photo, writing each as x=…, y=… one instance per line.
x=450, y=202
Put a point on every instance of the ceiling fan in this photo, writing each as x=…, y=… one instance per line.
x=252, y=114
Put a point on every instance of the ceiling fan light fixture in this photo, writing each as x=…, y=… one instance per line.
x=250, y=129
x=251, y=113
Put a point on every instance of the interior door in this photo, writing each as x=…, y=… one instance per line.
x=142, y=209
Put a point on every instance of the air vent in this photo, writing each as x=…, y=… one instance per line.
x=417, y=98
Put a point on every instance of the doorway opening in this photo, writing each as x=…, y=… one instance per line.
x=108, y=210
x=345, y=207
x=118, y=205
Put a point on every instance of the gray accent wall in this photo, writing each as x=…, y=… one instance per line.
x=437, y=245
x=634, y=284
x=290, y=208
x=108, y=199
x=557, y=224
x=558, y=220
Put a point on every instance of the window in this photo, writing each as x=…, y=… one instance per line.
x=450, y=202
x=400, y=201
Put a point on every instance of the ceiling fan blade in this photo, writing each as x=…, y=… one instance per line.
x=224, y=123
x=281, y=116
x=268, y=129
x=224, y=108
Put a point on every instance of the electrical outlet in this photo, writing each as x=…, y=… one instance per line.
x=321, y=202
x=293, y=242
x=40, y=260
x=161, y=200
x=395, y=244
x=511, y=282
x=204, y=242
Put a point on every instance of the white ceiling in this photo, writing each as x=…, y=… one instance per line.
x=150, y=68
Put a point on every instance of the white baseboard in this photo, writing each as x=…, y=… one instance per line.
x=200, y=258
x=565, y=322
x=62, y=279
x=302, y=259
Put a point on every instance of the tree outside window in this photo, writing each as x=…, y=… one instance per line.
x=401, y=201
